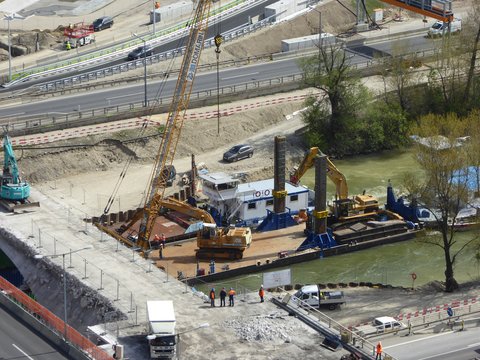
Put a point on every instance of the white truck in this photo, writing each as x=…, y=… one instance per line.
x=439, y=27
x=161, y=323
x=380, y=325
x=313, y=296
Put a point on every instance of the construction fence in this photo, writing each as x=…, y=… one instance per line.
x=52, y=322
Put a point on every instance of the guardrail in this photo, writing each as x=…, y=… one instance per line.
x=51, y=321
x=93, y=58
x=22, y=124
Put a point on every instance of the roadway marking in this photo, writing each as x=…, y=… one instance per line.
x=416, y=340
x=122, y=96
x=445, y=353
x=23, y=352
x=238, y=76
x=472, y=345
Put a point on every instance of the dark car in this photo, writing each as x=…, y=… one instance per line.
x=140, y=52
x=238, y=152
x=104, y=22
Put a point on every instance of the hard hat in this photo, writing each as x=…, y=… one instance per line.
x=261, y=285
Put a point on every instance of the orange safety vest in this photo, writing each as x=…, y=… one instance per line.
x=261, y=292
x=379, y=348
x=212, y=295
x=231, y=292
x=156, y=237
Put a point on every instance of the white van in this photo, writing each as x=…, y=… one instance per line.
x=386, y=324
x=438, y=27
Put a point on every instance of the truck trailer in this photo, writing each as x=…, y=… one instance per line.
x=161, y=323
x=313, y=296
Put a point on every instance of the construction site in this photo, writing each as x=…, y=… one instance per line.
x=143, y=214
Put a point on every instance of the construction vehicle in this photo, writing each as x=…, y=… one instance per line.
x=77, y=35
x=13, y=188
x=344, y=208
x=221, y=242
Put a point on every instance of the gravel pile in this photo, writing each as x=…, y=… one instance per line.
x=264, y=328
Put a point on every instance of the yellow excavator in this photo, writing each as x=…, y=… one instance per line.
x=137, y=232
x=344, y=208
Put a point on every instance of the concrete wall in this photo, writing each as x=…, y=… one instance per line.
x=307, y=42
x=284, y=8
x=171, y=12
x=45, y=278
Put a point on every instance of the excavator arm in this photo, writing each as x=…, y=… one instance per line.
x=332, y=172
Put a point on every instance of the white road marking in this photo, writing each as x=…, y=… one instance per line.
x=416, y=340
x=472, y=345
x=237, y=76
x=23, y=352
x=122, y=96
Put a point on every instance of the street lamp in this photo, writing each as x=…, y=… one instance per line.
x=9, y=18
x=40, y=256
x=320, y=38
x=144, y=67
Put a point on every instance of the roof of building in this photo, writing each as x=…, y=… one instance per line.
x=263, y=189
x=218, y=178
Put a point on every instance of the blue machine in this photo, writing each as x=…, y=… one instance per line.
x=13, y=188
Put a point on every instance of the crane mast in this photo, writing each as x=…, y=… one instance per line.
x=175, y=118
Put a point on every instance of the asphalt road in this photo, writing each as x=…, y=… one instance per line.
x=204, y=81
x=17, y=341
x=458, y=345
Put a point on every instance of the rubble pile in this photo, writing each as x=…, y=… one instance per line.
x=264, y=328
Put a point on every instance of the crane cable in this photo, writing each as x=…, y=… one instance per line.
x=143, y=129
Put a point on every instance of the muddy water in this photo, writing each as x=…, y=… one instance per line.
x=390, y=264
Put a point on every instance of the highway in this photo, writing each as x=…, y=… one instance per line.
x=458, y=345
x=19, y=342
x=204, y=81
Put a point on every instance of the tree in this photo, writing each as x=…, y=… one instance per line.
x=342, y=98
x=442, y=191
x=473, y=24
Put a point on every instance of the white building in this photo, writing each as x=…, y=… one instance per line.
x=247, y=203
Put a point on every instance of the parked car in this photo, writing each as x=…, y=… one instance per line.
x=238, y=152
x=140, y=52
x=104, y=22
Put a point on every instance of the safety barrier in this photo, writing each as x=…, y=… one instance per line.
x=54, y=323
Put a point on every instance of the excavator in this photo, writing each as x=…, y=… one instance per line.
x=344, y=208
x=210, y=240
x=12, y=188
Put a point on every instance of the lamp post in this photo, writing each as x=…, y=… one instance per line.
x=9, y=18
x=144, y=68
x=40, y=256
x=320, y=38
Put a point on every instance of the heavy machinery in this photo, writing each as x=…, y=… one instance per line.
x=344, y=208
x=211, y=239
x=77, y=35
x=13, y=188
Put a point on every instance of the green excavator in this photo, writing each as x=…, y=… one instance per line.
x=13, y=188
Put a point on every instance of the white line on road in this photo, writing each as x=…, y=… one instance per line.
x=23, y=352
x=237, y=76
x=473, y=345
x=122, y=96
x=416, y=340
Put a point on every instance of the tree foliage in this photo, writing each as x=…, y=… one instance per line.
x=442, y=191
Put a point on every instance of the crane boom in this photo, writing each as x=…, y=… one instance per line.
x=174, y=123
x=332, y=172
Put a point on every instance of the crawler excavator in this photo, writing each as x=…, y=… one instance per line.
x=212, y=241
x=344, y=208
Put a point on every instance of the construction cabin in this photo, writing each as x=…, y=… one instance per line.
x=246, y=204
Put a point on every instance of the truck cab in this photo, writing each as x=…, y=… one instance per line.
x=313, y=296
x=161, y=337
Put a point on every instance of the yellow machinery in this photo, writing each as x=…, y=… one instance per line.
x=344, y=208
x=232, y=241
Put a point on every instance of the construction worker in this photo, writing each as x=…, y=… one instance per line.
x=68, y=46
x=212, y=297
x=163, y=239
x=223, y=296
x=261, y=293
x=155, y=242
x=231, y=294
x=378, y=351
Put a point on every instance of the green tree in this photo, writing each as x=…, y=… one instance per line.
x=442, y=191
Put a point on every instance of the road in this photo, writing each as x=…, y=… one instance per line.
x=204, y=81
x=17, y=341
x=458, y=345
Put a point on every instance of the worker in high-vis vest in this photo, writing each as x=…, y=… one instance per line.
x=378, y=351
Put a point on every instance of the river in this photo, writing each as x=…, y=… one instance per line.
x=388, y=264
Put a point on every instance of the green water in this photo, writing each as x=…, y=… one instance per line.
x=388, y=264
